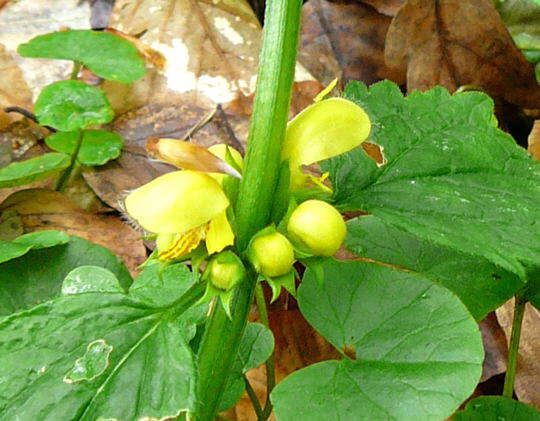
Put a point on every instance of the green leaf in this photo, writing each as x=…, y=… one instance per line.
x=10, y=250
x=34, y=169
x=90, y=279
x=497, y=408
x=38, y=275
x=93, y=355
x=107, y=55
x=450, y=175
x=255, y=348
x=481, y=285
x=72, y=105
x=32, y=241
x=43, y=239
x=97, y=148
x=418, y=351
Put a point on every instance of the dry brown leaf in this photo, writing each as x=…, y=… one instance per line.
x=387, y=7
x=210, y=48
x=42, y=209
x=460, y=42
x=495, y=347
x=527, y=386
x=24, y=19
x=345, y=41
x=14, y=91
x=534, y=141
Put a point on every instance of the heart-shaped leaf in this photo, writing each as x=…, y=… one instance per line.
x=97, y=146
x=497, y=408
x=107, y=55
x=417, y=351
x=100, y=355
x=34, y=169
x=449, y=175
x=481, y=285
x=72, y=105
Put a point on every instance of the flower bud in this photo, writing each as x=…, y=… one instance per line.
x=271, y=254
x=225, y=271
x=317, y=225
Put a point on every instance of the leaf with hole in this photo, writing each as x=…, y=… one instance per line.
x=481, y=285
x=97, y=147
x=105, y=54
x=450, y=175
x=72, y=105
x=100, y=355
x=33, y=169
x=415, y=352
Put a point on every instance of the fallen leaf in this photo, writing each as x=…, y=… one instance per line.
x=210, y=50
x=345, y=41
x=387, y=7
x=14, y=91
x=24, y=19
x=42, y=209
x=495, y=347
x=527, y=386
x=454, y=43
x=534, y=141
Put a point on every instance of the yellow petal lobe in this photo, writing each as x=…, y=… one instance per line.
x=176, y=202
x=323, y=130
x=219, y=234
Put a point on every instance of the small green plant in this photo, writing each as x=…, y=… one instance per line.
x=72, y=107
x=445, y=228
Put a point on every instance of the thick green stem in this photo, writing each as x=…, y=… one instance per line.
x=270, y=369
x=513, y=349
x=68, y=173
x=222, y=336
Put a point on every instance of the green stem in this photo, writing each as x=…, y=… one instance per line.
x=221, y=338
x=513, y=349
x=69, y=172
x=270, y=365
x=75, y=70
x=254, y=400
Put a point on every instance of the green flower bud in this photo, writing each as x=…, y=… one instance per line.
x=271, y=254
x=225, y=271
x=319, y=226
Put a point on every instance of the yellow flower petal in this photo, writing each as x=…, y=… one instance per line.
x=180, y=244
x=323, y=130
x=219, y=234
x=176, y=202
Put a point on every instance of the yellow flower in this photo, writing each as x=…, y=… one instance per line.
x=182, y=208
x=323, y=130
